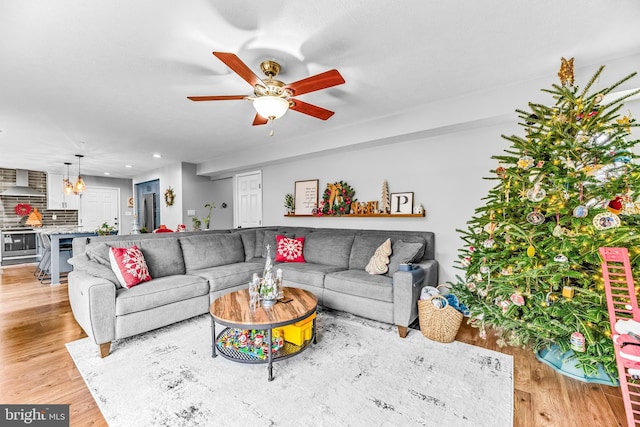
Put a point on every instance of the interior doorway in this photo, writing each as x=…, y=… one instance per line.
x=148, y=204
x=248, y=199
x=97, y=206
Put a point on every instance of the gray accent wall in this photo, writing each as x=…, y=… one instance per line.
x=443, y=171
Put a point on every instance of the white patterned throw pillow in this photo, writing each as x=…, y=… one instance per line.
x=378, y=264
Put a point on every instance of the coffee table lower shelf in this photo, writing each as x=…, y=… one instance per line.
x=286, y=351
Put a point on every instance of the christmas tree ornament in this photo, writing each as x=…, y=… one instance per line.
x=577, y=342
x=536, y=194
x=490, y=227
x=466, y=262
x=567, y=292
x=471, y=249
x=477, y=230
x=517, y=299
x=501, y=172
x=557, y=231
x=535, y=218
x=525, y=162
x=625, y=122
x=551, y=298
x=598, y=99
x=508, y=271
x=484, y=269
x=615, y=205
x=561, y=258
x=606, y=221
x=531, y=251
x=483, y=292
x=471, y=286
x=488, y=244
x=505, y=306
x=580, y=211
x=566, y=72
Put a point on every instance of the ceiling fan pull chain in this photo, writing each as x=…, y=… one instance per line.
x=271, y=132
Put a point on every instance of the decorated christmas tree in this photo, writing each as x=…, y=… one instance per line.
x=564, y=188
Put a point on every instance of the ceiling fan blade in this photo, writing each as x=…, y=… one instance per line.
x=240, y=68
x=319, y=81
x=310, y=109
x=216, y=98
x=259, y=120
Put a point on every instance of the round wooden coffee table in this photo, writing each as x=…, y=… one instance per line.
x=233, y=311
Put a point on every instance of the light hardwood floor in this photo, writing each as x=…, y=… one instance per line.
x=36, y=321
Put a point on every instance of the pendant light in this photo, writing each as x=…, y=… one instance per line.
x=68, y=187
x=79, y=186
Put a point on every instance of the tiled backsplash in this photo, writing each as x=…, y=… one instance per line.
x=37, y=181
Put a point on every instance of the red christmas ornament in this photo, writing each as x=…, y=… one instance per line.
x=615, y=205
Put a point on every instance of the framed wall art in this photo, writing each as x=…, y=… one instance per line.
x=401, y=203
x=306, y=197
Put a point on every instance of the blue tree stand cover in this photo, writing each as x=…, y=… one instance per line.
x=563, y=363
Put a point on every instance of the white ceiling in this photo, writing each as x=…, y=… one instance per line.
x=109, y=79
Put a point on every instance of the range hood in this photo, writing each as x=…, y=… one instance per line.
x=22, y=186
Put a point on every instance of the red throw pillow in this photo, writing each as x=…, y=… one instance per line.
x=289, y=249
x=129, y=266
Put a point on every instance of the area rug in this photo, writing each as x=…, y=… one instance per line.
x=360, y=373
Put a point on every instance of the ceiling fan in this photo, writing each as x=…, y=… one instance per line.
x=272, y=98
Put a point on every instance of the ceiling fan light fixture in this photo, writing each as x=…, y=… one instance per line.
x=271, y=107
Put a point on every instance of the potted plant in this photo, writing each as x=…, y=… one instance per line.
x=289, y=203
x=105, y=229
x=207, y=219
x=196, y=223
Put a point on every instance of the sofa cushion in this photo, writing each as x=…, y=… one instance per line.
x=403, y=253
x=163, y=256
x=305, y=273
x=98, y=252
x=230, y=275
x=129, y=266
x=211, y=250
x=364, y=246
x=360, y=283
x=82, y=262
x=289, y=249
x=248, y=243
x=379, y=262
x=159, y=292
x=329, y=247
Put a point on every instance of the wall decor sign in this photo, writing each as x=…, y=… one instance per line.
x=306, y=197
x=401, y=203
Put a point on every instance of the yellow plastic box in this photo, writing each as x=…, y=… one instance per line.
x=299, y=332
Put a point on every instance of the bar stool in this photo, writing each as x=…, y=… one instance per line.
x=44, y=267
x=45, y=256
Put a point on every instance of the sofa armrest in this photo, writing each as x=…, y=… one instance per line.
x=93, y=303
x=406, y=291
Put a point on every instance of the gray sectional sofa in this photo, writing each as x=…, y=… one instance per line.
x=190, y=270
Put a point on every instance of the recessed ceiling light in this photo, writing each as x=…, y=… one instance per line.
x=128, y=166
x=107, y=173
x=157, y=156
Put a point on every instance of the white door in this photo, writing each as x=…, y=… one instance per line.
x=97, y=206
x=248, y=197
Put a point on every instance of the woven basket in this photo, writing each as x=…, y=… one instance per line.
x=438, y=324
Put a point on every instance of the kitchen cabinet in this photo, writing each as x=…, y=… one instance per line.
x=56, y=198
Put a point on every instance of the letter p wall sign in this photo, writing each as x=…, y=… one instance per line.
x=401, y=203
